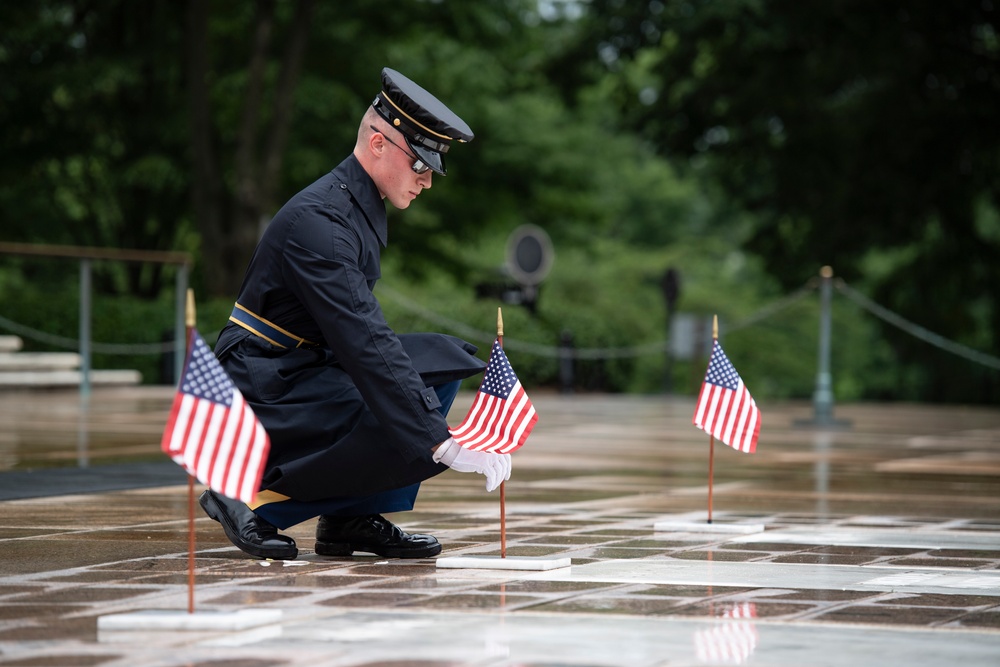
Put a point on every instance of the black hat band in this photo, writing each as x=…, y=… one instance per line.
x=407, y=129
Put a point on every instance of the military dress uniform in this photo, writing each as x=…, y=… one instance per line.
x=351, y=408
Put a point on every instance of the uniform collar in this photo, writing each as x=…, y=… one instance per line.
x=363, y=190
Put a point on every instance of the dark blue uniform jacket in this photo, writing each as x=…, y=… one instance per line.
x=353, y=415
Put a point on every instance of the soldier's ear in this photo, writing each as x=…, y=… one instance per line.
x=376, y=143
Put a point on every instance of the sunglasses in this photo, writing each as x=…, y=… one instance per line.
x=418, y=166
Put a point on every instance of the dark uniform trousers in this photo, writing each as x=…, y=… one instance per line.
x=287, y=513
x=329, y=455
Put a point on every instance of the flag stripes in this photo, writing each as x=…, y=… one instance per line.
x=732, y=641
x=489, y=427
x=725, y=408
x=502, y=415
x=212, y=432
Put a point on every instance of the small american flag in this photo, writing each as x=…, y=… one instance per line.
x=732, y=641
x=212, y=432
x=501, y=416
x=725, y=408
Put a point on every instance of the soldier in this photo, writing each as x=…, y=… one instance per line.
x=355, y=412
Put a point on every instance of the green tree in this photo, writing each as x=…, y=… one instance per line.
x=233, y=192
x=92, y=138
x=145, y=126
x=861, y=135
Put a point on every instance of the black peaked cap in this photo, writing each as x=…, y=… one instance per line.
x=428, y=125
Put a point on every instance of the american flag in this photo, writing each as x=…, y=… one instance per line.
x=212, y=432
x=501, y=416
x=725, y=408
x=732, y=641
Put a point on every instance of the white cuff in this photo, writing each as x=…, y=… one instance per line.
x=447, y=452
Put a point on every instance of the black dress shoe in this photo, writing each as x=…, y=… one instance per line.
x=246, y=530
x=342, y=536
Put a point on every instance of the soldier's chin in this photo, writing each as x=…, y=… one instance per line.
x=402, y=202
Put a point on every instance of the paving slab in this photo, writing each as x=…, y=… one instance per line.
x=880, y=545
x=776, y=575
x=481, y=639
x=923, y=537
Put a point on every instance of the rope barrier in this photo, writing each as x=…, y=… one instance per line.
x=776, y=307
x=482, y=336
x=73, y=344
x=555, y=352
x=916, y=330
x=658, y=347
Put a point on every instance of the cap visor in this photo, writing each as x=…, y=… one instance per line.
x=432, y=159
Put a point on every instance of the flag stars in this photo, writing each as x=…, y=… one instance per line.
x=720, y=371
x=213, y=436
x=725, y=408
x=205, y=378
x=500, y=379
x=501, y=416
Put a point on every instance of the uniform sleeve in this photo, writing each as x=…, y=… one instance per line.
x=321, y=260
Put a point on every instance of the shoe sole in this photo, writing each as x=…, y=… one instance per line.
x=216, y=513
x=342, y=550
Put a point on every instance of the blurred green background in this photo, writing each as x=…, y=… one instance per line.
x=743, y=144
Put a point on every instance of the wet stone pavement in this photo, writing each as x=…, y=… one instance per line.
x=880, y=546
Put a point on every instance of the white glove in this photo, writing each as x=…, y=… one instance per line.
x=496, y=467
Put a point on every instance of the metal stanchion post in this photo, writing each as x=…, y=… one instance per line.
x=85, y=351
x=82, y=427
x=823, y=394
x=180, y=328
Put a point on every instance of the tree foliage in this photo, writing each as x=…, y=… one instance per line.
x=767, y=135
x=860, y=135
x=92, y=137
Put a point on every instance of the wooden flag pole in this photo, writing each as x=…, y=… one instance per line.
x=190, y=323
x=711, y=461
x=503, y=494
x=711, y=438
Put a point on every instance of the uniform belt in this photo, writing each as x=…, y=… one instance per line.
x=270, y=332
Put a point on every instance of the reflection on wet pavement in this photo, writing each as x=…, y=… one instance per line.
x=881, y=545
